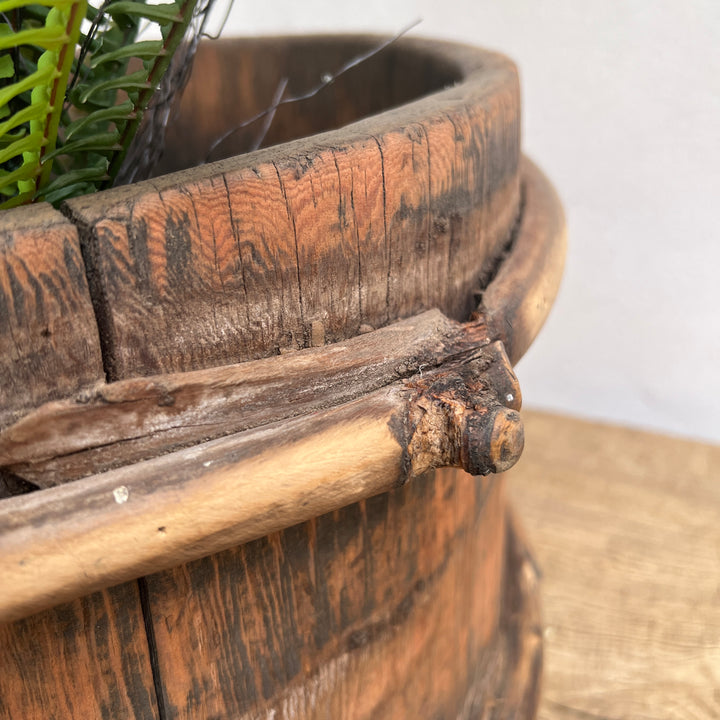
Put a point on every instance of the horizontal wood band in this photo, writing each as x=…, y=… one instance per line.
x=518, y=300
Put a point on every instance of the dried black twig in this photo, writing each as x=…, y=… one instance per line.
x=326, y=79
x=277, y=97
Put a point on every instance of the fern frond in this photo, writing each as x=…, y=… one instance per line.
x=33, y=100
x=143, y=49
x=116, y=114
x=67, y=118
x=163, y=14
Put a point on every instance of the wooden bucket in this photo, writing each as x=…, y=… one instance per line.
x=227, y=390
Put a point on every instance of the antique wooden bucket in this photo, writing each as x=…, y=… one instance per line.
x=226, y=392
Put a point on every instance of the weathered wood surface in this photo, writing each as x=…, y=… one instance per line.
x=129, y=420
x=168, y=489
x=624, y=525
x=84, y=659
x=387, y=608
x=518, y=300
x=286, y=248
x=65, y=541
x=421, y=602
x=49, y=346
x=309, y=241
x=249, y=70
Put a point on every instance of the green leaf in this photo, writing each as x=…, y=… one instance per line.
x=145, y=49
x=106, y=104
x=32, y=112
x=48, y=38
x=26, y=172
x=29, y=143
x=103, y=142
x=9, y=137
x=74, y=190
x=20, y=199
x=7, y=66
x=133, y=81
x=93, y=173
x=40, y=78
x=115, y=113
x=7, y=5
x=163, y=13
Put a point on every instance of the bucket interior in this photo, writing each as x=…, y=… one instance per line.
x=234, y=80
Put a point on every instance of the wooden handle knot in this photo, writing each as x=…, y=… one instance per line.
x=465, y=415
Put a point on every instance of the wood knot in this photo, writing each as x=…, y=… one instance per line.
x=465, y=414
x=491, y=442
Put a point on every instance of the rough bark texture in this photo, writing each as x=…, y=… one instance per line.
x=130, y=420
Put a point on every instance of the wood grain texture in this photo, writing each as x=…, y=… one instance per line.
x=387, y=608
x=417, y=603
x=517, y=301
x=49, y=345
x=94, y=497
x=129, y=420
x=379, y=220
x=624, y=526
x=85, y=659
x=134, y=419
x=107, y=528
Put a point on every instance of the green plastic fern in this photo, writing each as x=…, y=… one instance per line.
x=36, y=66
x=71, y=102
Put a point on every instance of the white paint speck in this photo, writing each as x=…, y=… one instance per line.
x=121, y=494
x=509, y=397
x=207, y=463
x=326, y=78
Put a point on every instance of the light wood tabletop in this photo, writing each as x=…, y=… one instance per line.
x=625, y=526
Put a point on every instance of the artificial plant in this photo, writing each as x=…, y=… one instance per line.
x=77, y=81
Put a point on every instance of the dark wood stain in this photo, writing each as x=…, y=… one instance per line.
x=85, y=659
x=138, y=246
x=235, y=261
x=271, y=614
x=49, y=345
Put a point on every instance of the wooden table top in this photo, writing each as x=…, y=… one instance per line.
x=625, y=527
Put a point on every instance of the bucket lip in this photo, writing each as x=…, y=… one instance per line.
x=480, y=73
x=437, y=184
x=39, y=570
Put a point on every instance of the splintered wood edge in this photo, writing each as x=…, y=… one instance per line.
x=64, y=542
x=123, y=422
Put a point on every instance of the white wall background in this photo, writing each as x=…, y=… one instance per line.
x=622, y=111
